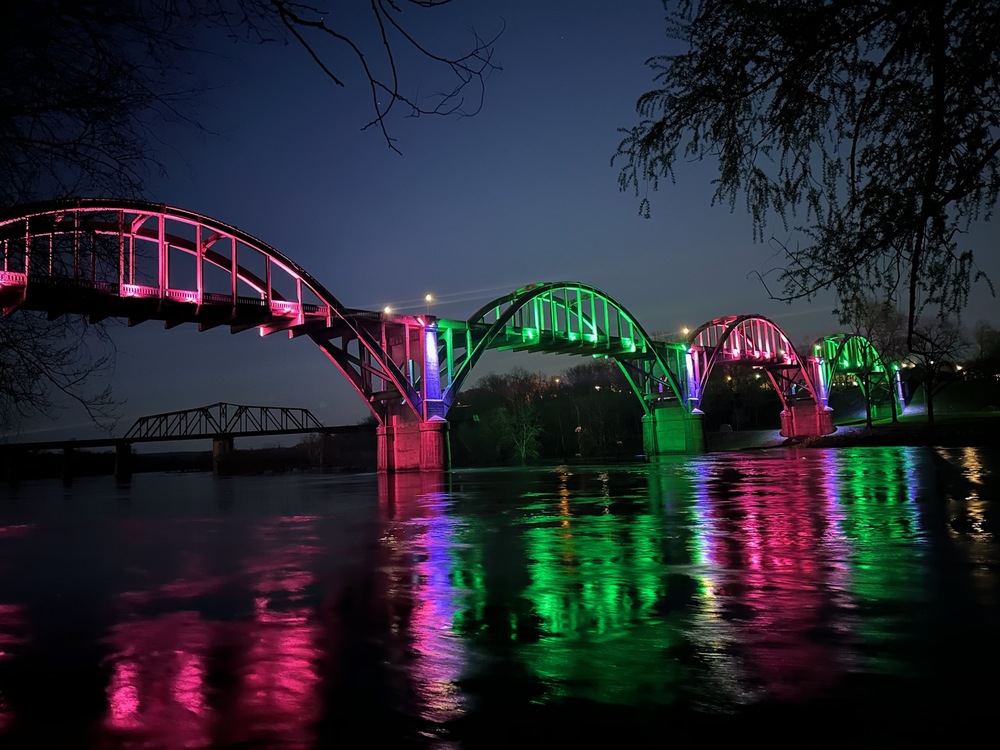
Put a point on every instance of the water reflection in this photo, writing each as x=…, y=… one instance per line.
x=455, y=610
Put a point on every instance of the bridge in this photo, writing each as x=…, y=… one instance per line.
x=142, y=261
x=221, y=423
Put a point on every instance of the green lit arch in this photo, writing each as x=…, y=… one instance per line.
x=567, y=318
x=853, y=354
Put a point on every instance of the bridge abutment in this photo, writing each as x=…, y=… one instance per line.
x=672, y=429
x=223, y=454
x=806, y=418
x=405, y=444
x=123, y=461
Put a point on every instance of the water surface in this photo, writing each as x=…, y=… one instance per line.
x=805, y=598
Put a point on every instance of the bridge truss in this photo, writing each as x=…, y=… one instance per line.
x=224, y=419
x=755, y=341
x=560, y=318
x=854, y=356
x=141, y=261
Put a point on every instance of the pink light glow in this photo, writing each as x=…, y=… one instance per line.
x=137, y=290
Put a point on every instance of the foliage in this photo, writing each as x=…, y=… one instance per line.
x=740, y=396
x=986, y=362
x=39, y=358
x=874, y=123
x=519, y=428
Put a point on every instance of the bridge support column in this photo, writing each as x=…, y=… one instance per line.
x=67, y=466
x=327, y=451
x=406, y=444
x=12, y=462
x=222, y=455
x=806, y=418
x=123, y=461
x=672, y=429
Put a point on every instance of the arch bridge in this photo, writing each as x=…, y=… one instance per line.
x=852, y=356
x=141, y=261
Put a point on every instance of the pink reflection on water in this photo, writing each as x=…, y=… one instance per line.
x=13, y=626
x=771, y=585
x=159, y=692
x=277, y=691
x=156, y=687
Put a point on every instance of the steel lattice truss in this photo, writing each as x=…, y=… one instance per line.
x=223, y=419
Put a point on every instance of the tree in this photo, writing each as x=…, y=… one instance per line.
x=875, y=122
x=86, y=83
x=378, y=36
x=506, y=415
x=986, y=363
x=938, y=347
x=39, y=358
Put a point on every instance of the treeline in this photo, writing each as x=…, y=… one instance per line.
x=349, y=452
x=588, y=412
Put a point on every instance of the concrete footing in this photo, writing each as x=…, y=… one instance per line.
x=673, y=430
x=406, y=445
x=222, y=455
x=123, y=461
x=806, y=418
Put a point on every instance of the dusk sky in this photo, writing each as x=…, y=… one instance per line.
x=474, y=207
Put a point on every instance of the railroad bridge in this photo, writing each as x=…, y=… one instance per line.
x=142, y=261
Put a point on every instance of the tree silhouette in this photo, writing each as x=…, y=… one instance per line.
x=875, y=124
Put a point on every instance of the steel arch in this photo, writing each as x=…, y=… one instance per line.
x=853, y=354
x=122, y=258
x=565, y=318
x=751, y=339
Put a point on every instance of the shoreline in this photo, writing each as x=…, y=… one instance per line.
x=947, y=432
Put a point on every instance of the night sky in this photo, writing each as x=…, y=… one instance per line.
x=522, y=192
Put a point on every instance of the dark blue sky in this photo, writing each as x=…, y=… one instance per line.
x=473, y=207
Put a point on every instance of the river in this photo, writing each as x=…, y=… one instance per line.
x=793, y=597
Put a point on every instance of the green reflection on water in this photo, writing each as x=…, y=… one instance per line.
x=729, y=578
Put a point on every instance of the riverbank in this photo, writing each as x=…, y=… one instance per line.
x=967, y=414
x=972, y=429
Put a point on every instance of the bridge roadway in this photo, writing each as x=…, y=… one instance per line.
x=142, y=261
